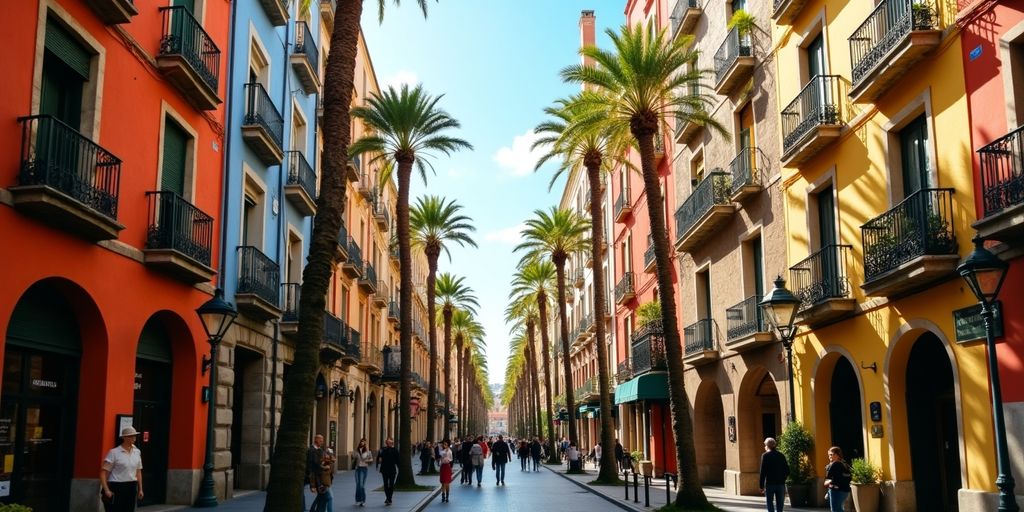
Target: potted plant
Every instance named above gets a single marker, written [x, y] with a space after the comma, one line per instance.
[648, 312]
[744, 23]
[796, 444]
[923, 16]
[864, 479]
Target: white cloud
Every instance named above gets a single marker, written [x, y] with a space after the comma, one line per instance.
[403, 77]
[510, 235]
[520, 159]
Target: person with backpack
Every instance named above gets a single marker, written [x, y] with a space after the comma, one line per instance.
[476, 454]
[774, 471]
[536, 449]
[500, 454]
[837, 479]
[524, 453]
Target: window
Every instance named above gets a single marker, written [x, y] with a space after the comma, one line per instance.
[66, 69]
[697, 169]
[174, 165]
[252, 213]
[738, 5]
[745, 133]
[293, 263]
[914, 156]
[627, 248]
[298, 141]
[824, 206]
[753, 268]
[815, 54]
[703, 282]
[259, 65]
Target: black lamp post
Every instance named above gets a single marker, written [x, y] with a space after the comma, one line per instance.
[984, 273]
[781, 306]
[217, 316]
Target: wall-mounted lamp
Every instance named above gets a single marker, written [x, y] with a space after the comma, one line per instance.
[339, 390]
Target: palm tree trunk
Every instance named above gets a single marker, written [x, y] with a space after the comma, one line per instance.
[531, 347]
[570, 401]
[288, 462]
[609, 468]
[542, 306]
[690, 493]
[432, 336]
[447, 313]
[458, 385]
[405, 474]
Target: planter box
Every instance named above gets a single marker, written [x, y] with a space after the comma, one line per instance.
[866, 497]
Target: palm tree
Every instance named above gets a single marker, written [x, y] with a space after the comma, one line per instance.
[522, 313]
[575, 135]
[533, 280]
[434, 222]
[558, 234]
[288, 462]
[405, 126]
[451, 294]
[473, 346]
[636, 86]
[464, 329]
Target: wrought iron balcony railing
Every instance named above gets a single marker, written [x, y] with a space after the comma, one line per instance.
[343, 239]
[393, 310]
[352, 344]
[734, 47]
[745, 169]
[921, 225]
[744, 318]
[622, 202]
[260, 110]
[714, 190]
[258, 274]
[624, 371]
[624, 287]
[184, 35]
[355, 254]
[369, 274]
[55, 155]
[817, 104]
[176, 224]
[699, 337]
[648, 345]
[888, 24]
[1002, 173]
[306, 45]
[822, 276]
[679, 12]
[301, 173]
[290, 294]
[334, 331]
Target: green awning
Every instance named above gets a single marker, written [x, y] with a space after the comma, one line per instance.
[652, 386]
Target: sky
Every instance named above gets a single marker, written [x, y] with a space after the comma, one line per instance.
[497, 64]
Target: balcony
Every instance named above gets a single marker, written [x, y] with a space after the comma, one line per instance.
[623, 205]
[699, 346]
[813, 120]
[353, 168]
[417, 381]
[277, 11]
[588, 324]
[333, 346]
[258, 284]
[188, 58]
[179, 239]
[685, 15]
[659, 148]
[305, 58]
[392, 370]
[577, 278]
[746, 173]
[687, 128]
[351, 346]
[113, 12]
[393, 253]
[624, 371]
[368, 280]
[707, 209]
[393, 312]
[327, 9]
[894, 37]
[624, 290]
[341, 249]
[353, 266]
[649, 257]
[648, 347]
[589, 391]
[911, 245]
[370, 359]
[366, 188]
[300, 189]
[785, 11]
[262, 127]
[380, 215]
[1002, 189]
[380, 295]
[67, 180]
[290, 295]
[823, 286]
[746, 327]
[734, 62]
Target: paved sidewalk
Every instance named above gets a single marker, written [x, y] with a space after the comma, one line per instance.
[616, 494]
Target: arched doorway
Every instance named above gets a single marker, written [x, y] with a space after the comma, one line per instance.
[151, 411]
[247, 456]
[709, 433]
[373, 430]
[846, 410]
[39, 402]
[932, 422]
[759, 416]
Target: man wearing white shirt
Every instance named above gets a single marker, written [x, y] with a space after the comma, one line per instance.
[121, 474]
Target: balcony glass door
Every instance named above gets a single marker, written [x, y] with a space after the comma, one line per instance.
[914, 156]
[827, 237]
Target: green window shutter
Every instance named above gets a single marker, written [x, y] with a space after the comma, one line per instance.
[188, 4]
[43, 320]
[154, 343]
[63, 45]
[175, 148]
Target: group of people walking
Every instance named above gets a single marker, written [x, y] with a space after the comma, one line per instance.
[320, 467]
[775, 470]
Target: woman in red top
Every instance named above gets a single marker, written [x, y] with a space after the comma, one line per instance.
[446, 470]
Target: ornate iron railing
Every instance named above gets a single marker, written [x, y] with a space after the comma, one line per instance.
[369, 355]
[393, 310]
[699, 336]
[648, 345]
[746, 168]
[822, 275]
[1002, 172]
[290, 293]
[817, 104]
[56, 155]
[687, 108]
[352, 343]
[392, 355]
[334, 330]
[184, 35]
[257, 274]
[744, 318]
[734, 47]
[714, 190]
[301, 173]
[649, 253]
[679, 11]
[369, 274]
[624, 371]
[922, 224]
[624, 286]
[885, 27]
[306, 45]
[355, 254]
[260, 110]
[343, 238]
[176, 224]
[622, 201]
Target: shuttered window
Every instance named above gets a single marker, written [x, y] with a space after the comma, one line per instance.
[175, 152]
[66, 48]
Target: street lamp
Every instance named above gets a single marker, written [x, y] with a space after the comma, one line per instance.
[781, 306]
[217, 316]
[984, 273]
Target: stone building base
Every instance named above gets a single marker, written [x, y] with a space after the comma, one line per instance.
[183, 486]
[740, 483]
[85, 495]
[982, 501]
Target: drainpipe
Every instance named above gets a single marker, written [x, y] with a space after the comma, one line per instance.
[226, 169]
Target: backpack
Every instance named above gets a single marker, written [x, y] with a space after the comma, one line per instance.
[477, 454]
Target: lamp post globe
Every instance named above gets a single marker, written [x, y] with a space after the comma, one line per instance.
[216, 315]
[780, 307]
[984, 273]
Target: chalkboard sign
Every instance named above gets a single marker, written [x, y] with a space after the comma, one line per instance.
[970, 326]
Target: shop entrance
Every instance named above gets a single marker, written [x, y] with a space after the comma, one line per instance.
[845, 411]
[151, 413]
[709, 433]
[247, 451]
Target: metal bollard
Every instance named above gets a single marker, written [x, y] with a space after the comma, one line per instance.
[636, 489]
[668, 496]
[647, 490]
[625, 477]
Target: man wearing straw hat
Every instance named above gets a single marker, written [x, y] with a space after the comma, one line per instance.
[121, 475]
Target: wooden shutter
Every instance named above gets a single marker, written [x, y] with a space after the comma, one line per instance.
[63, 46]
[175, 150]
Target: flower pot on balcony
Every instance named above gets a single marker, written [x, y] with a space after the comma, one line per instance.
[647, 467]
[866, 497]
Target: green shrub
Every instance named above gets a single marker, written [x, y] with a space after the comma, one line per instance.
[14, 507]
[742, 21]
[648, 312]
[637, 456]
[796, 444]
[862, 471]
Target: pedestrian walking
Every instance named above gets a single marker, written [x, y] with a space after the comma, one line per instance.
[324, 477]
[837, 479]
[573, 455]
[387, 461]
[774, 470]
[121, 474]
[524, 453]
[324, 501]
[466, 461]
[620, 453]
[535, 450]
[500, 453]
[426, 454]
[446, 470]
[597, 455]
[476, 454]
[364, 457]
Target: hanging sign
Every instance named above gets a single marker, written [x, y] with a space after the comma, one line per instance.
[970, 326]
